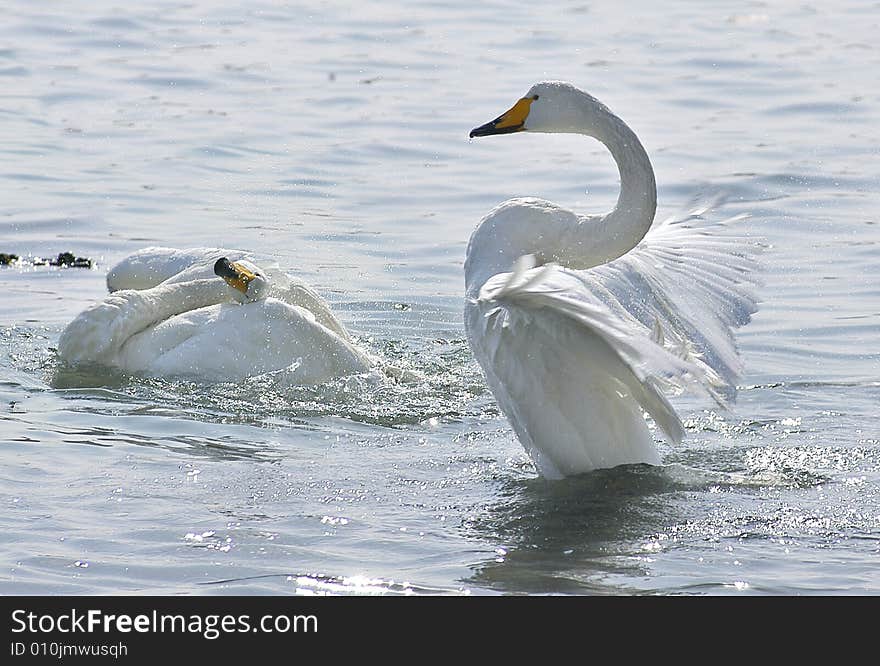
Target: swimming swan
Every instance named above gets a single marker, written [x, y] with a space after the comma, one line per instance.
[580, 322]
[210, 314]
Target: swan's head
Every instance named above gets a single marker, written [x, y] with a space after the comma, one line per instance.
[549, 106]
[248, 283]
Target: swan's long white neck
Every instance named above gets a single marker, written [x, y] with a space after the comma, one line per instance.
[100, 331]
[617, 232]
[151, 306]
[554, 234]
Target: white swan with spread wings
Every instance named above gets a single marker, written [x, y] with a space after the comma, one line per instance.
[583, 323]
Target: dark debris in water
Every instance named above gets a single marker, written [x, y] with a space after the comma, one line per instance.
[64, 259]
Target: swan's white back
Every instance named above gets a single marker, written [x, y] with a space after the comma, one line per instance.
[229, 342]
[151, 266]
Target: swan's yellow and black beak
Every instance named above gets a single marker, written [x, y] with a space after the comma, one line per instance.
[508, 122]
[236, 276]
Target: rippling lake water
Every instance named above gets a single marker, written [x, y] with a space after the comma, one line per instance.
[333, 138]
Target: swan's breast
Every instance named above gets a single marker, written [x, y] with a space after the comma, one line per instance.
[512, 229]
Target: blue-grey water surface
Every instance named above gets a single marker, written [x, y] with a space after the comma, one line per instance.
[333, 137]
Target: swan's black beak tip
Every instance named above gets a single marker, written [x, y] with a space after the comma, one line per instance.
[493, 128]
[224, 268]
[483, 130]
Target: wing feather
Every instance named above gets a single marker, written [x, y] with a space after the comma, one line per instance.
[572, 377]
[694, 279]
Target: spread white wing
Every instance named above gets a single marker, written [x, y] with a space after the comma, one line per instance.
[573, 357]
[690, 284]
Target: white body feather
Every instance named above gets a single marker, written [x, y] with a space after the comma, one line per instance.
[169, 315]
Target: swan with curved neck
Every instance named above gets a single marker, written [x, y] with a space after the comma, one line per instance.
[579, 321]
[195, 313]
[573, 240]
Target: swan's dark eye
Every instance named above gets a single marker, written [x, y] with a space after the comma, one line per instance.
[534, 97]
